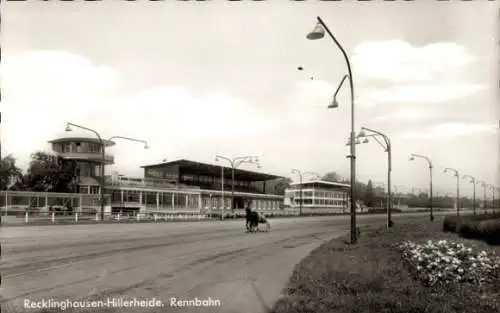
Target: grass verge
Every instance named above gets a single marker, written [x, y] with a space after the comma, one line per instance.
[372, 277]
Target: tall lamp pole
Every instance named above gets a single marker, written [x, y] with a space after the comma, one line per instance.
[387, 146]
[235, 162]
[473, 181]
[412, 158]
[484, 185]
[318, 33]
[301, 175]
[457, 175]
[101, 143]
[492, 188]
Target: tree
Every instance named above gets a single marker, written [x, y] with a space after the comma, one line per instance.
[48, 172]
[10, 174]
[282, 184]
[332, 177]
[368, 200]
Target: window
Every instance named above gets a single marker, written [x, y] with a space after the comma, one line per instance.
[94, 148]
[78, 147]
[66, 147]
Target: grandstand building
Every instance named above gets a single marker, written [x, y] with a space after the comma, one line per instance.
[177, 186]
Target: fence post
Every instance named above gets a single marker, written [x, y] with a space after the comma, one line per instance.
[118, 216]
[53, 217]
[156, 217]
[138, 218]
[76, 217]
[97, 216]
[26, 217]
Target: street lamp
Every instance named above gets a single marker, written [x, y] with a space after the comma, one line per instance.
[318, 33]
[473, 181]
[296, 171]
[484, 185]
[492, 188]
[412, 158]
[457, 175]
[235, 162]
[101, 142]
[388, 149]
[131, 139]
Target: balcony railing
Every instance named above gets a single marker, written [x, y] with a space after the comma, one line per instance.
[87, 156]
[144, 182]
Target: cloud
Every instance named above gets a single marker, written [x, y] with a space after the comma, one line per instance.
[45, 89]
[403, 115]
[449, 130]
[395, 71]
[417, 93]
[48, 79]
[397, 61]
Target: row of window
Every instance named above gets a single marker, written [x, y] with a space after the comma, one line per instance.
[316, 194]
[89, 189]
[80, 147]
[337, 203]
[161, 174]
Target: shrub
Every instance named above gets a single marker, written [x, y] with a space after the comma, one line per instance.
[470, 230]
[490, 231]
[451, 223]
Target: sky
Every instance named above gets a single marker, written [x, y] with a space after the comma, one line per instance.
[196, 79]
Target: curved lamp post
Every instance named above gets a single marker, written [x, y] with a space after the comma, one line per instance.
[473, 181]
[413, 156]
[101, 142]
[484, 185]
[387, 147]
[457, 175]
[235, 162]
[492, 188]
[318, 33]
[301, 175]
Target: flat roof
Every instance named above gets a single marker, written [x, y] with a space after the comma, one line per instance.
[198, 168]
[107, 143]
[322, 182]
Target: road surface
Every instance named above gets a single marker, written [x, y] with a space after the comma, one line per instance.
[204, 260]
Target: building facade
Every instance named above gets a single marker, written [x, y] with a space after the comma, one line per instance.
[87, 154]
[214, 184]
[182, 186]
[318, 196]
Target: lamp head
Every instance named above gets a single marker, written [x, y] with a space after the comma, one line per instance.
[146, 146]
[216, 159]
[366, 140]
[68, 129]
[362, 134]
[317, 33]
[411, 158]
[334, 104]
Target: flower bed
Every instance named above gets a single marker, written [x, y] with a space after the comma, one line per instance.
[445, 262]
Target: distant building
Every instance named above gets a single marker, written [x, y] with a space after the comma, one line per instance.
[318, 196]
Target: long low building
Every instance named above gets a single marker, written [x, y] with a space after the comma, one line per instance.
[185, 185]
[318, 196]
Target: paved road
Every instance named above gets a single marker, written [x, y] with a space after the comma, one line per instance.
[246, 272]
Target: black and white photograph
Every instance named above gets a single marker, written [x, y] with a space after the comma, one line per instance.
[250, 156]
